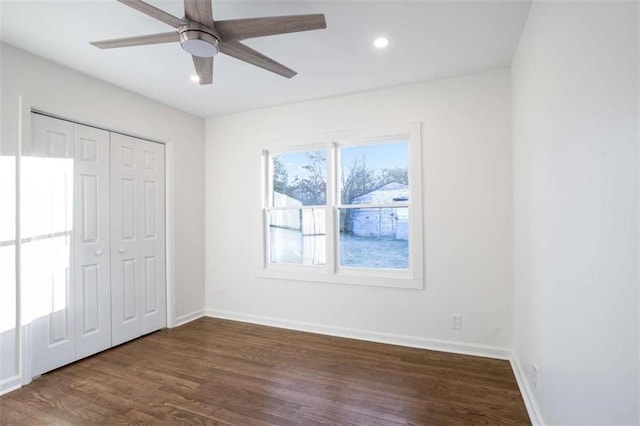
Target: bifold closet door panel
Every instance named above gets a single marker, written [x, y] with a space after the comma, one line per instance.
[152, 239]
[91, 241]
[46, 255]
[137, 238]
[125, 253]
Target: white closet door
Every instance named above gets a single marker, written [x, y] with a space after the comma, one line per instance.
[137, 237]
[152, 240]
[125, 268]
[46, 259]
[91, 241]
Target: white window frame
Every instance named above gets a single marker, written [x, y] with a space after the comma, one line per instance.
[332, 272]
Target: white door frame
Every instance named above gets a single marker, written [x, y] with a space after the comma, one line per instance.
[27, 106]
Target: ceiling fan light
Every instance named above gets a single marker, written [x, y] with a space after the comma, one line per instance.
[199, 43]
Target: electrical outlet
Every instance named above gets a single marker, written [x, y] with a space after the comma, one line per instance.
[221, 296]
[534, 376]
[456, 321]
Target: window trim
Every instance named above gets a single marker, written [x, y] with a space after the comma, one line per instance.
[332, 272]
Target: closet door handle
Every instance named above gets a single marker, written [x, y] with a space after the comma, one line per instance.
[98, 252]
[121, 250]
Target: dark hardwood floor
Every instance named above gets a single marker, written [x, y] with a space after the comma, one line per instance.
[213, 371]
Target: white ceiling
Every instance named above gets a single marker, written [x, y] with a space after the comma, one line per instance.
[428, 40]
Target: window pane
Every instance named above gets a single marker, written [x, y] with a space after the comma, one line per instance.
[300, 179]
[297, 236]
[374, 174]
[374, 238]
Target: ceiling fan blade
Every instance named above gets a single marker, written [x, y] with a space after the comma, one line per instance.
[253, 57]
[154, 12]
[199, 11]
[204, 69]
[137, 41]
[240, 29]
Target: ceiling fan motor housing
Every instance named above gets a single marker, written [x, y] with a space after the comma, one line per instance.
[198, 40]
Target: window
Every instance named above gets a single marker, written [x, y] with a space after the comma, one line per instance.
[374, 202]
[346, 210]
[297, 208]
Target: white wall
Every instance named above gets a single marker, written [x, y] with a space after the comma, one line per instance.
[575, 106]
[467, 219]
[108, 106]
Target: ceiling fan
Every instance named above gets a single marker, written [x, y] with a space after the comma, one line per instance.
[203, 37]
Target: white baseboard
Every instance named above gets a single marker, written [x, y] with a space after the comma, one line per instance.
[371, 336]
[10, 384]
[527, 392]
[183, 319]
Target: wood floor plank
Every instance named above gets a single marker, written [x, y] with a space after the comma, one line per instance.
[218, 372]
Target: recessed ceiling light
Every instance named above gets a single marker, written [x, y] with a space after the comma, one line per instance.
[195, 78]
[381, 42]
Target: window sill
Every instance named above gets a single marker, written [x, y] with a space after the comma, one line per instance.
[388, 279]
